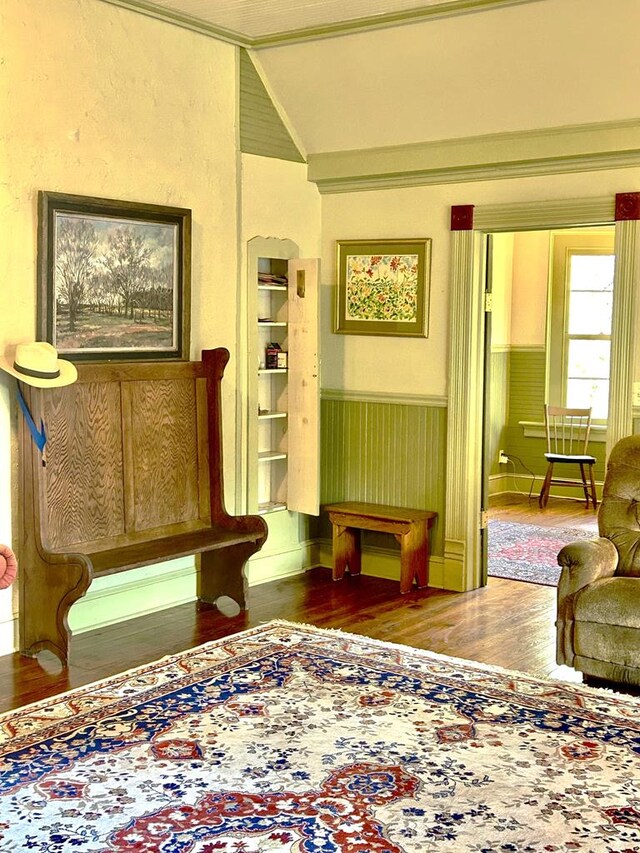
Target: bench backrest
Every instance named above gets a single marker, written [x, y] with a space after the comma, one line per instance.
[128, 453]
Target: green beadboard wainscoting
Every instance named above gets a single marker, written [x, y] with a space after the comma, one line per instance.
[522, 379]
[499, 408]
[387, 453]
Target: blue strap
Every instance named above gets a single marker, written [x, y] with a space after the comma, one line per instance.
[39, 437]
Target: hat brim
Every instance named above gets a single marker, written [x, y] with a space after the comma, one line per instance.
[68, 374]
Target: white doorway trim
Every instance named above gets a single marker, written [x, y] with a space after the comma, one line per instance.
[466, 344]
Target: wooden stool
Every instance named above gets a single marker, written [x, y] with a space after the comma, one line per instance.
[409, 526]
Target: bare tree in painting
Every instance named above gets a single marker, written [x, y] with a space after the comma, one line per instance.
[76, 244]
[127, 262]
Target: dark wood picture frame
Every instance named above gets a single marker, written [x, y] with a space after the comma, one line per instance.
[114, 278]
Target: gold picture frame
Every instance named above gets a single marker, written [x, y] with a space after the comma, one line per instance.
[383, 287]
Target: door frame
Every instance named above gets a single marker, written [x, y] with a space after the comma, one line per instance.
[470, 227]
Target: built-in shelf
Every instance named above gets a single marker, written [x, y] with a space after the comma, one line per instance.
[271, 506]
[271, 455]
[282, 382]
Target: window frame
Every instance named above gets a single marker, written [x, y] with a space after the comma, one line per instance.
[564, 245]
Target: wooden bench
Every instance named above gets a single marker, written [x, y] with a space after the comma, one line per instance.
[131, 475]
[409, 526]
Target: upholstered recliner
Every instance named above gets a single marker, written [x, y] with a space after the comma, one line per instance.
[598, 625]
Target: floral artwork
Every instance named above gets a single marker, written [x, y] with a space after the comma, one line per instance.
[383, 287]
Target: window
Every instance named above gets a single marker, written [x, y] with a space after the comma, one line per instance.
[580, 323]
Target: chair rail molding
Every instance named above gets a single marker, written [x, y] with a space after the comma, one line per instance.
[462, 568]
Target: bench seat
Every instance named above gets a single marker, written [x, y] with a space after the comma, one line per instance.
[131, 476]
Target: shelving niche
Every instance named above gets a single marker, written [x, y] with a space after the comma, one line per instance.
[284, 401]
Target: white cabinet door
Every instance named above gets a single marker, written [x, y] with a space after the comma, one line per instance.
[303, 486]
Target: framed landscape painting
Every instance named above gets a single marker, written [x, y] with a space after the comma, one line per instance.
[383, 287]
[113, 278]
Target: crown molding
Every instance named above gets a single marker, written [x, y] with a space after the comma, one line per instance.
[546, 151]
[446, 9]
[179, 19]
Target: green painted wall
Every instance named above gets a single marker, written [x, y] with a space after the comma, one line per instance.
[384, 453]
[499, 408]
[526, 398]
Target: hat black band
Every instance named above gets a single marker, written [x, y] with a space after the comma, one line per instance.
[37, 374]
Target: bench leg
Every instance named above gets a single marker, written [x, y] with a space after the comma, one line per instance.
[47, 591]
[414, 556]
[222, 573]
[346, 551]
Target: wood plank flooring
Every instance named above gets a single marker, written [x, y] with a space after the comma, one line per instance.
[507, 623]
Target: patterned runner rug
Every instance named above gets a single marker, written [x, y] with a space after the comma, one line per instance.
[291, 738]
[524, 552]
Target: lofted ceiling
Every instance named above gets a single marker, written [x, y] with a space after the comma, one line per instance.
[254, 23]
[350, 75]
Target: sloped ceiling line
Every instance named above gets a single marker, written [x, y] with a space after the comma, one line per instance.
[268, 26]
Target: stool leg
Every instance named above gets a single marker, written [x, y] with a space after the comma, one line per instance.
[414, 556]
[346, 551]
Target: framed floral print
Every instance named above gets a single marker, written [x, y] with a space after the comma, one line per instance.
[383, 287]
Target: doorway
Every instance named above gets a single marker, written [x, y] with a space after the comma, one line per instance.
[463, 523]
[548, 341]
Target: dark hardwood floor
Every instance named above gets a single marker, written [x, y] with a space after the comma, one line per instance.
[507, 623]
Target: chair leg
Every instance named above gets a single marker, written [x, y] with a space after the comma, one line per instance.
[544, 491]
[594, 498]
[584, 484]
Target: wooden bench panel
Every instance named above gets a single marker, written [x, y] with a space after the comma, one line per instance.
[163, 453]
[133, 477]
[82, 482]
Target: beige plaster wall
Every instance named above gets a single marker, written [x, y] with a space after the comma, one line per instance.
[502, 287]
[529, 298]
[420, 366]
[97, 100]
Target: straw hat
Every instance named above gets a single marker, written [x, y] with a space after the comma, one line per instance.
[38, 364]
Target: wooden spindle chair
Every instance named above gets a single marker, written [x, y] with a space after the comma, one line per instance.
[567, 444]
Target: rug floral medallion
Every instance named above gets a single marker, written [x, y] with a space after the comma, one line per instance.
[291, 738]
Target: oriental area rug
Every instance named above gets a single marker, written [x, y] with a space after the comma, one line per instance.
[292, 738]
[524, 552]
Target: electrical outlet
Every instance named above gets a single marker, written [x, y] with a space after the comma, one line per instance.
[502, 458]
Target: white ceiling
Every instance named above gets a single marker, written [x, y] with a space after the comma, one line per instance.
[413, 71]
[256, 21]
[513, 68]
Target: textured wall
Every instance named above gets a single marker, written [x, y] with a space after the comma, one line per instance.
[100, 101]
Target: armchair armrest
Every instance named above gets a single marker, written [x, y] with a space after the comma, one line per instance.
[582, 563]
